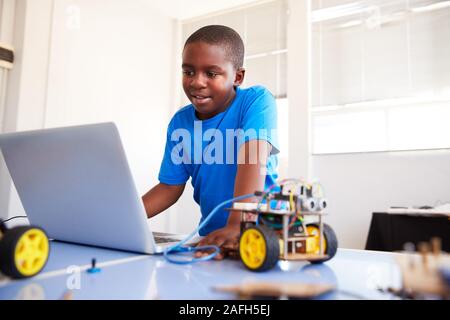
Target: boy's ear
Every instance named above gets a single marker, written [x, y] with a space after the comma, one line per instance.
[240, 75]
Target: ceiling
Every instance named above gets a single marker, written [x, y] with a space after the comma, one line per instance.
[187, 9]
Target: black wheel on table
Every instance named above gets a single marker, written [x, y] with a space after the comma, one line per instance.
[329, 241]
[259, 248]
[24, 251]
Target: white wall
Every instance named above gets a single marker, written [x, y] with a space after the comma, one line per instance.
[7, 8]
[7, 14]
[359, 184]
[102, 60]
[25, 91]
[113, 61]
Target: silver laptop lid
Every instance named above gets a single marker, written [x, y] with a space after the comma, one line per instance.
[75, 183]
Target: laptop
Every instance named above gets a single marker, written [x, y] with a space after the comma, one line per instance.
[75, 183]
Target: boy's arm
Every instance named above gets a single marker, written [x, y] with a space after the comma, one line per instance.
[161, 197]
[250, 177]
[251, 173]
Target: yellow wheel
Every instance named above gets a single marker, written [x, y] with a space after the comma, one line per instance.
[259, 248]
[329, 241]
[24, 252]
[314, 247]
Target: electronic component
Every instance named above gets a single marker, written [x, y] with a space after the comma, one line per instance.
[280, 227]
[93, 268]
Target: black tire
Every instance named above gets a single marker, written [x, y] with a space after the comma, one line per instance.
[7, 252]
[330, 240]
[272, 248]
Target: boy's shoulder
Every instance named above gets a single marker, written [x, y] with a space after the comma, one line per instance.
[256, 91]
[254, 94]
[186, 113]
[256, 97]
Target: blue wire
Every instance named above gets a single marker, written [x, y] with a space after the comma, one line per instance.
[179, 248]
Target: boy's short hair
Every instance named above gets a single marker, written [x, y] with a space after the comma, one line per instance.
[222, 36]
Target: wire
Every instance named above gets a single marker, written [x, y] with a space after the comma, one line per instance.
[292, 222]
[264, 197]
[179, 248]
[291, 201]
[317, 187]
[16, 217]
[269, 189]
[278, 207]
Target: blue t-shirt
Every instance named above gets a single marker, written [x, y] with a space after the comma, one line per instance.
[207, 150]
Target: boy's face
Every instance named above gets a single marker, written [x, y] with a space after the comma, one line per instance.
[209, 78]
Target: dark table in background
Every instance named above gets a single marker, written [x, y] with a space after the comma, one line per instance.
[389, 232]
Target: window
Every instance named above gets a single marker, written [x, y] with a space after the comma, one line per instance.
[381, 75]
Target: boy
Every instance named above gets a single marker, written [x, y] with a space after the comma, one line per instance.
[196, 147]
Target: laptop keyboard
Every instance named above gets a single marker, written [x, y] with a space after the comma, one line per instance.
[165, 240]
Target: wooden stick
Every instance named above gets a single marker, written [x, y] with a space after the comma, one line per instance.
[436, 245]
[424, 249]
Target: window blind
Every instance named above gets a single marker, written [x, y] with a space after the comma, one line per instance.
[381, 75]
[380, 50]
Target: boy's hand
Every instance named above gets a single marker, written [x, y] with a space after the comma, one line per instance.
[250, 177]
[225, 238]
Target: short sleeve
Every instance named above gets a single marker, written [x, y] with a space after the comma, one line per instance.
[259, 120]
[172, 172]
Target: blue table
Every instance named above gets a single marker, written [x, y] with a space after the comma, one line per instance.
[357, 274]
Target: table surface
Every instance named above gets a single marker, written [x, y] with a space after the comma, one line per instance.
[356, 274]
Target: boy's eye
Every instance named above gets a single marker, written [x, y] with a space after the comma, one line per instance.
[211, 74]
[188, 73]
